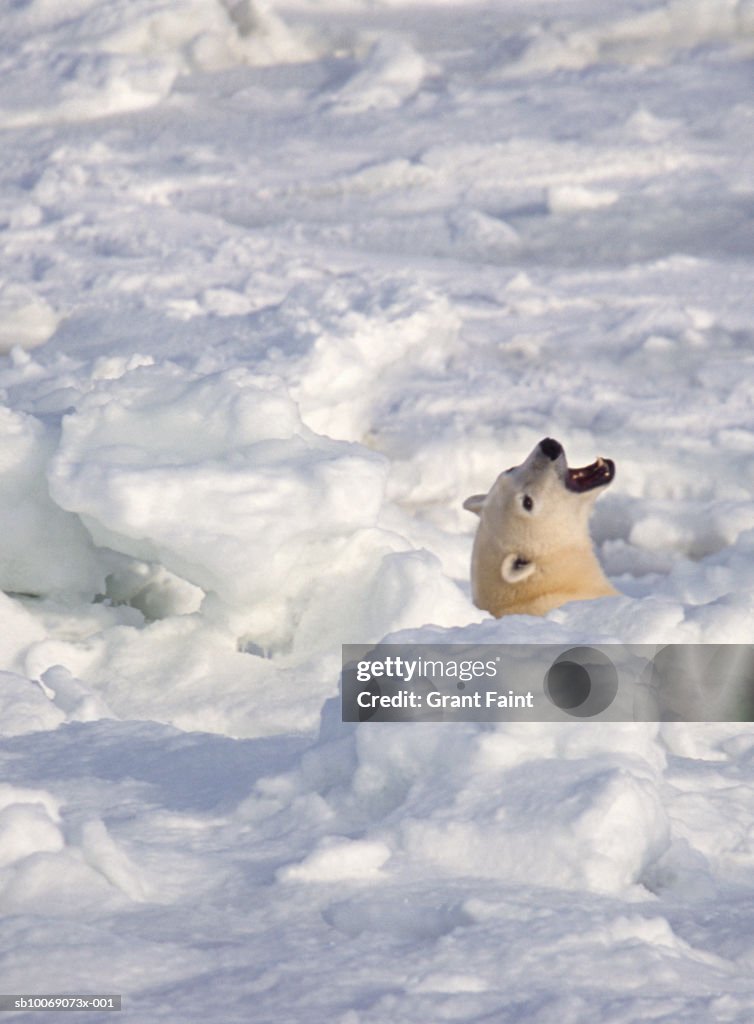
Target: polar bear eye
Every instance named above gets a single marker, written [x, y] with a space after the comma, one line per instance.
[528, 503]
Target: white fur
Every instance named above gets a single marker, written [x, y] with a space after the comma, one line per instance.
[532, 551]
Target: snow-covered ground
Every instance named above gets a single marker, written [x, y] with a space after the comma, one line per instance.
[280, 286]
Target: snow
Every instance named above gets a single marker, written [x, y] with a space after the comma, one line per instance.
[281, 285]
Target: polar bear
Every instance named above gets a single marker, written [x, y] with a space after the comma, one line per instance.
[532, 551]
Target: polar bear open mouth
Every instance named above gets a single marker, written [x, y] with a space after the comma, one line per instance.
[587, 478]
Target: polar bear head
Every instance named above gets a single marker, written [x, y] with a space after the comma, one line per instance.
[532, 550]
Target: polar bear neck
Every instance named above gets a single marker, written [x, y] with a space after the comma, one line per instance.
[562, 574]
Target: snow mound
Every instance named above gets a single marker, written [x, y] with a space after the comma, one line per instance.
[126, 55]
[216, 478]
[24, 707]
[209, 35]
[647, 38]
[26, 319]
[43, 549]
[38, 849]
[589, 828]
[80, 86]
[355, 364]
[534, 805]
[29, 823]
[391, 73]
[339, 860]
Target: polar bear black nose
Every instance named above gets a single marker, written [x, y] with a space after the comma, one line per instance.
[551, 448]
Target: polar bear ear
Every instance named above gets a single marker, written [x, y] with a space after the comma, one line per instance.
[474, 503]
[514, 568]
